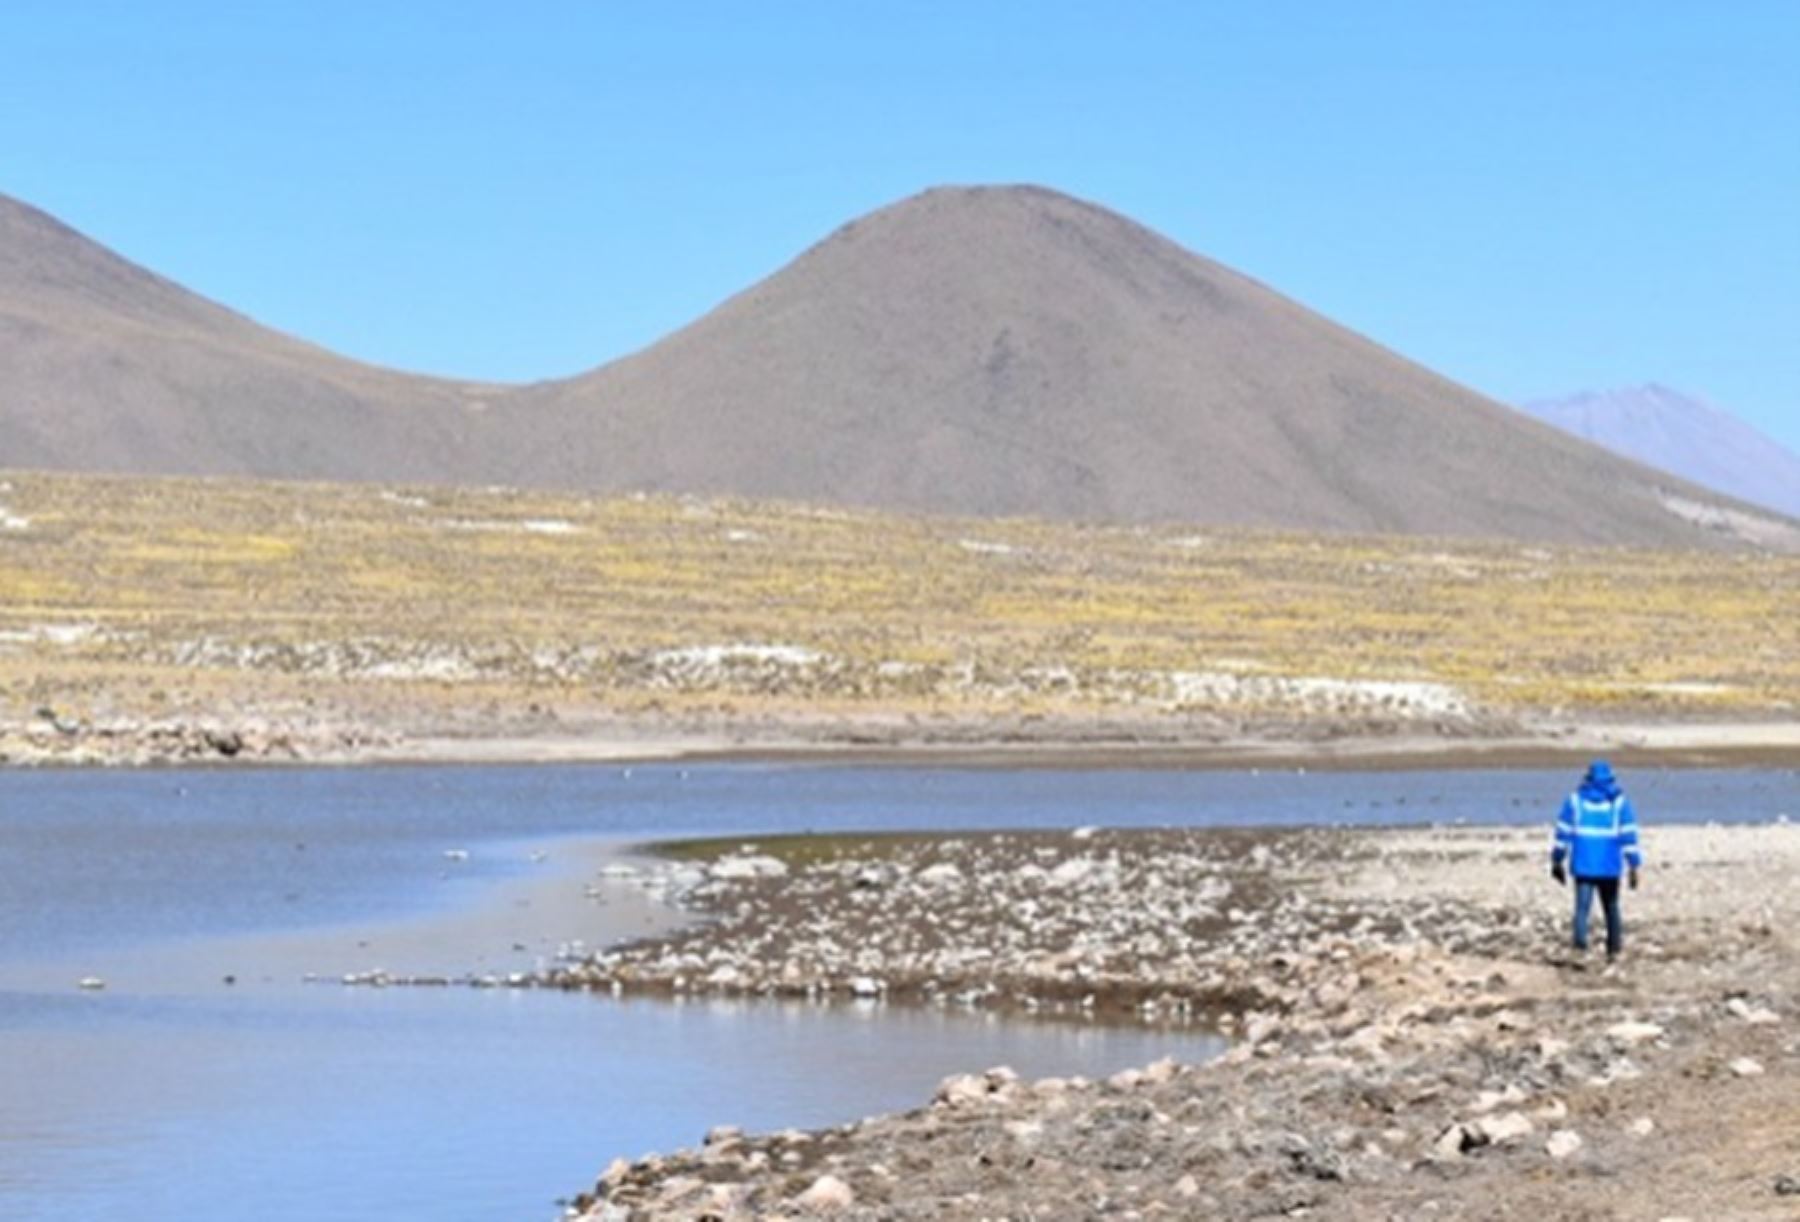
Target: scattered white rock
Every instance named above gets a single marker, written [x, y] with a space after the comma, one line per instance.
[1488, 1100]
[1631, 1032]
[1643, 1126]
[1074, 870]
[1451, 1143]
[1025, 1132]
[748, 865]
[1162, 1071]
[961, 1090]
[1505, 1128]
[943, 874]
[1563, 1143]
[1746, 1067]
[828, 1194]
[1756, 1016]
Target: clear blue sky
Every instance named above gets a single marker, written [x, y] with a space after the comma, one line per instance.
[1529, 197]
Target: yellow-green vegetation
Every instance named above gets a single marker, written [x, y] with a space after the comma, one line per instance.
[124, 595]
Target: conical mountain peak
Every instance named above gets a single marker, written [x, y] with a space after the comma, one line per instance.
[969, 350]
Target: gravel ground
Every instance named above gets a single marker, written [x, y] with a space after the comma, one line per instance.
[1411, 1037]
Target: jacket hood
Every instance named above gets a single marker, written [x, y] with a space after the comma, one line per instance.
[1599, 784]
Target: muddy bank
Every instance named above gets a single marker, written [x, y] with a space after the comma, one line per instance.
[229, 733]
[1412, 1038]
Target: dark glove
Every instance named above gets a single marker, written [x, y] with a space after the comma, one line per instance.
[1560, 875]
[1634, 878]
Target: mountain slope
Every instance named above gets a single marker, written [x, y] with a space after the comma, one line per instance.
[107, 367]
[1671, 431]
[969, 350]
[1015, 351]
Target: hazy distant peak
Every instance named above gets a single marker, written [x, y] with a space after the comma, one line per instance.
[1684, 434]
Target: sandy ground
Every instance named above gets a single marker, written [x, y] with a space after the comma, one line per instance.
[1413, 1038]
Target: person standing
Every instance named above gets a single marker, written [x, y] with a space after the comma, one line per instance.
[1597, 841]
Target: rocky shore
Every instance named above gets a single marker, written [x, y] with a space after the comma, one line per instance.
[1410, 1038]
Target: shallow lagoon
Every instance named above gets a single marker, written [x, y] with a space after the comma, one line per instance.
[174, 1094]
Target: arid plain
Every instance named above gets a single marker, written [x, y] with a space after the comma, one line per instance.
[146, 620]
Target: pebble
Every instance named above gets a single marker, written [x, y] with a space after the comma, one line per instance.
[1756, 1016]
[1451, 1143]
[1504, 1129]
[1634, 1032]
[828, 1194]
[747, 866]
[961, 1090]
[1393, 1025]
[1563, 1143]
[1488, 1100]
[943, 874]
[1746, 1067]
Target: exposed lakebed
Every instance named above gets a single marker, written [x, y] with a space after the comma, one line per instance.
[173, 1093]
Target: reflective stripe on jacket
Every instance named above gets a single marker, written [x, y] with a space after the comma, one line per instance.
[1599, 836]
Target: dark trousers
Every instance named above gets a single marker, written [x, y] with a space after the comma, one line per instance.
[1609, 900]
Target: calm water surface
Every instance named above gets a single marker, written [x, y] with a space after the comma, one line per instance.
[174, 1094]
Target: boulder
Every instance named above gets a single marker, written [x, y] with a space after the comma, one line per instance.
[960, 1090]
[828, 1194]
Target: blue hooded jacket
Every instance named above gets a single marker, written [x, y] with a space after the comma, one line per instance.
[1597, 828]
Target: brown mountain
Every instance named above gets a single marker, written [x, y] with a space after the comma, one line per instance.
[107, 367]
[981, 350]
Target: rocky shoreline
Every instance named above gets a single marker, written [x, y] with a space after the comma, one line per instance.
[1410, 1038]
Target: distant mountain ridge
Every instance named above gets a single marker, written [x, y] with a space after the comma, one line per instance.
[984, 350]
[1683, 434]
